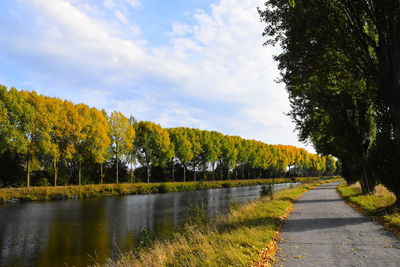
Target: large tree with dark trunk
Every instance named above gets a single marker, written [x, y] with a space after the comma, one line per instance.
[331, 43]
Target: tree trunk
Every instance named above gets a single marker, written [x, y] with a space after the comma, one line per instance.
[132, 172]
[173, 172]
[367, 186]
[194, 174]
[116, 170]
[101, 173]
[397, 202]
[184, 173]
[80, 173]
[55, 171]
[148, 173]
[242, 172]
[213, 171]
[28, 171]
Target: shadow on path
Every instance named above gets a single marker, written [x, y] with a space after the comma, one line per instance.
[301, 225]
[317, 200]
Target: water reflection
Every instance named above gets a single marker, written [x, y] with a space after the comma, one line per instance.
[66, 232]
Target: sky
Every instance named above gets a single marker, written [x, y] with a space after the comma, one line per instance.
[192, 63]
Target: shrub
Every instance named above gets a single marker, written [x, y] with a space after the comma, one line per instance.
[44, 182]
[163, 188]
[267, 190]
[226, 185]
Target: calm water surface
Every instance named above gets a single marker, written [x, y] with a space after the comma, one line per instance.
[80, 232]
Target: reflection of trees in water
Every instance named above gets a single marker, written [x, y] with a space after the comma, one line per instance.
[73, 240]
[23, 227]
[49, 234]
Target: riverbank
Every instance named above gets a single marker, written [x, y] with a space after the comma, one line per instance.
[377, 205]
[245, 236]
[106, 190]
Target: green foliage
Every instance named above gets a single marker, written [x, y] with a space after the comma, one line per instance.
[145, 238]
[44, 182]
[341, 78]
[267, 190]
[226, 185]
[70, 143]
[122, 134]
[163, 188]
[153, 146]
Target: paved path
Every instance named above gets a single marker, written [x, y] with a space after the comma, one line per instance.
[324, 231]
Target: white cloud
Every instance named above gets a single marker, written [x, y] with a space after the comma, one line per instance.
[109, 4]
[133, 3]
[218, 60]
[180, 29]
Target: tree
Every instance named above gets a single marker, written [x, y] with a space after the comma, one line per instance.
[243, 154]
[31, 136]
[195, 137]
[229, 153]
[100, 138]
[213, 149]
[58, 137]
[153, 146]
[329, 70]
[330, 165]
[122, 135]
[131, 158]
[54, 137]
[4, 121]
[182, 147]
[16, 121]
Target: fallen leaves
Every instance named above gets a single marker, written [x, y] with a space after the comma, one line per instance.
[268, 255]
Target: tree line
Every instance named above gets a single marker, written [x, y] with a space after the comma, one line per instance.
[340, 62]
[47, 140]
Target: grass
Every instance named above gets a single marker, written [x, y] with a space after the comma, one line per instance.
[92, 191]
[377, 205]
[245, 236]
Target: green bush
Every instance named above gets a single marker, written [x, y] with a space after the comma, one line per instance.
[163, 188]
[267, 190]
[226, 185]
[44, 182]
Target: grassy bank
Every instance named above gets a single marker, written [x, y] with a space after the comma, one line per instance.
[243, 237]
[92, 191]
[377, 205]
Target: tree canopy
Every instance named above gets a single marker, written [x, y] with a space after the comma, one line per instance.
[50, 139]
[340, 62]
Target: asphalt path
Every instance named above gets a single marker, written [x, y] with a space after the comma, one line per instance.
[323, 230]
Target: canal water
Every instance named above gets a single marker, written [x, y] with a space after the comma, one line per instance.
[82, 232]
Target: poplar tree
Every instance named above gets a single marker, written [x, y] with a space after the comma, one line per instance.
[152, 145]
[182, 147]
[122, 134]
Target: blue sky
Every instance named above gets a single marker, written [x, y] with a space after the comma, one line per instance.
[194, 63]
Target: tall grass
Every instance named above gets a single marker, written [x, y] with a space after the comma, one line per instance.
[243, 237]
[377, 205]
[92, 191]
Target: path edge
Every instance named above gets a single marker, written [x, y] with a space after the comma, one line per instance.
[267, 256]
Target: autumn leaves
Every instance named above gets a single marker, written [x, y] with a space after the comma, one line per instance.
[50, 136]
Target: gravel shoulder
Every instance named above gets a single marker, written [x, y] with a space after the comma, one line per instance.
[324, 231]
